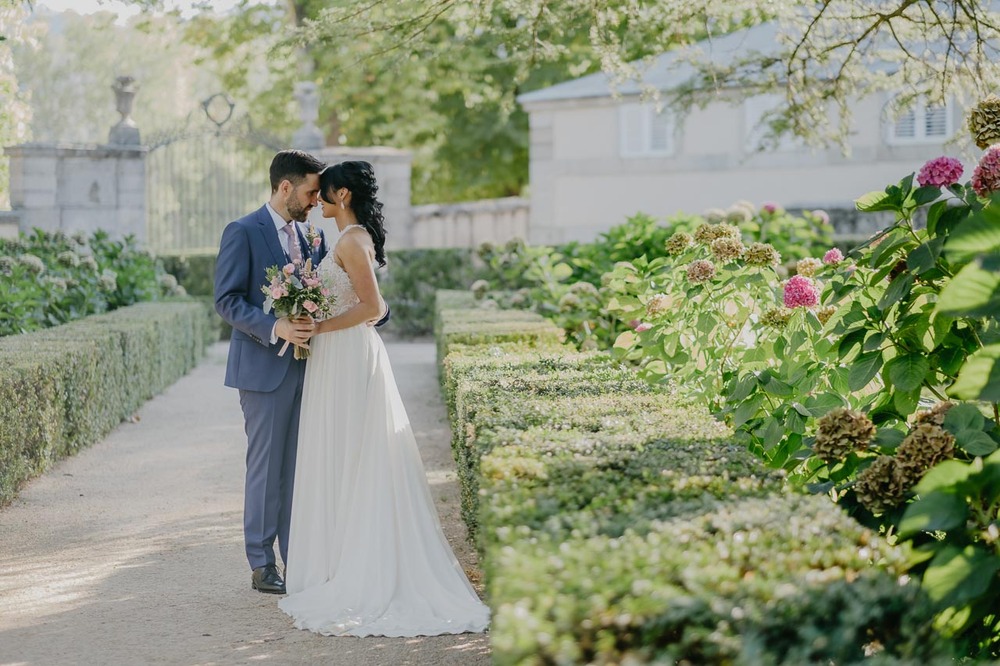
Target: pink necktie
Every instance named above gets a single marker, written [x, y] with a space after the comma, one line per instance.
[294, 251]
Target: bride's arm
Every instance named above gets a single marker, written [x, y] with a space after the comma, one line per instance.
[356, 256]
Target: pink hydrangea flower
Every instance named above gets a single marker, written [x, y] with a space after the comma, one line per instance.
[644, 326]
[940, 172]
[801, 292]
[633, 323]
[770, 207]
[310, 306]
[822, 216]
[986, 176]
[833, 256]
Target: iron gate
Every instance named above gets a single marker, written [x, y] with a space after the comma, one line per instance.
[203, 175]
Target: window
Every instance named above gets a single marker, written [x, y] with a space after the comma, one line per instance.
[757, 112]
[922, 123]
[644, 131]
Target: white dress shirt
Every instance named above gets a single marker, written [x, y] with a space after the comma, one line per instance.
[279, 223]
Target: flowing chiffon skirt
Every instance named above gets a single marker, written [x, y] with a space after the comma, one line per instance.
[366, 553]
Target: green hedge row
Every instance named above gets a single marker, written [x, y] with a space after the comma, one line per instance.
[64, 388]
[618, 524]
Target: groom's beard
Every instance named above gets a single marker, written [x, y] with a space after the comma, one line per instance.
[297, 211]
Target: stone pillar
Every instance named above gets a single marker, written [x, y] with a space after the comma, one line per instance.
[308, 136]
[57, 187]
[392, 170]
[70, 188]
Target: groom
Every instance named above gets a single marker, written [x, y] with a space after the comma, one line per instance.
[270, 386]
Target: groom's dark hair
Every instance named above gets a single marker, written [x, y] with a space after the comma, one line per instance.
[293, 166]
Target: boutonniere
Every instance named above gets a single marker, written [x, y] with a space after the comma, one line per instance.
[313, 237]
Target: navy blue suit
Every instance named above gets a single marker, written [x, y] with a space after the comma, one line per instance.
[270, 386]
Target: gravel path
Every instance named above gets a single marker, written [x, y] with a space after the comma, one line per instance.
[131, 552]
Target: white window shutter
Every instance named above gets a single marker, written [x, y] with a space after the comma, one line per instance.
[661, 131]
[936, 122]
[906, 125]
[631, 129]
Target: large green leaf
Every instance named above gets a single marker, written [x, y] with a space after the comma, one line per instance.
[907, 372]
[979, 233]
[976, 442]
[876, 201]
[979, 378]
[956, 576]
[943, 475]
[898, 289]
[939, 510]
[864, 369]
[973, 291]
[963, 417]
[924, 257]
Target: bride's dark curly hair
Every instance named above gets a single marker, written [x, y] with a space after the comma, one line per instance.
[359, 178]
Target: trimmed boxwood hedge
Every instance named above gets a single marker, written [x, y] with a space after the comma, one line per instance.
[619, 524]
[63, 388]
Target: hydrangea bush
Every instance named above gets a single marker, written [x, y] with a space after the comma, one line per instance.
[51, 278]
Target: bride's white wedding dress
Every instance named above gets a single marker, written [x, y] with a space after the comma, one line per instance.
[366, 554]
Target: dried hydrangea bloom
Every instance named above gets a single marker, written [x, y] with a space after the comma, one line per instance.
[479, 288]
[984, 122]
[776, 318]
[700, 271]
[762, 254]
[658, 304]
[824, 313]
[935, 414]
[706, 233]
[840, 432]
[808, 266]
[583, 288]
[926, 445]
[678, 243]
[727, 249]
[569, 301]
[881, 486]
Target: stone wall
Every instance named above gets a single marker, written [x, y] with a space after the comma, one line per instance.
[67, 188]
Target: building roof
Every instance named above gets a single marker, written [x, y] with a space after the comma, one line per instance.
[666, 71]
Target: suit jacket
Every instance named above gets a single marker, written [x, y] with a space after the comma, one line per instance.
[249, 247]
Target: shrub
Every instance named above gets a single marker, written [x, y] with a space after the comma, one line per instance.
[66, 387]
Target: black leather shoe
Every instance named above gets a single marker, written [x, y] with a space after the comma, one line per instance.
[267, 579]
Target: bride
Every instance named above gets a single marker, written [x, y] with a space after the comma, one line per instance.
[366, 553]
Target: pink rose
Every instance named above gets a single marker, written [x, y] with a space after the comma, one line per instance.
[324, 291]
[288, 269]
[278, 292]
[644, 326]
[317, 241]
[310, 306]
[833, 256]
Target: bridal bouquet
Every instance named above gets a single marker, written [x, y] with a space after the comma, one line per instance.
[291, 295]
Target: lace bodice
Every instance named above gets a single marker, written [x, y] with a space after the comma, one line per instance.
[338, 281]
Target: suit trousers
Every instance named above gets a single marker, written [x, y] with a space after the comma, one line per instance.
[272, 428]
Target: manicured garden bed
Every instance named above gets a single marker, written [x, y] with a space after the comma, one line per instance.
[63, 388]
[618, 523]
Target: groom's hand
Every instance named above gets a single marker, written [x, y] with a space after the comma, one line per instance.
[296, 331]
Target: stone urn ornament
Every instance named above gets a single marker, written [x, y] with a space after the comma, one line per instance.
[125, 132]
